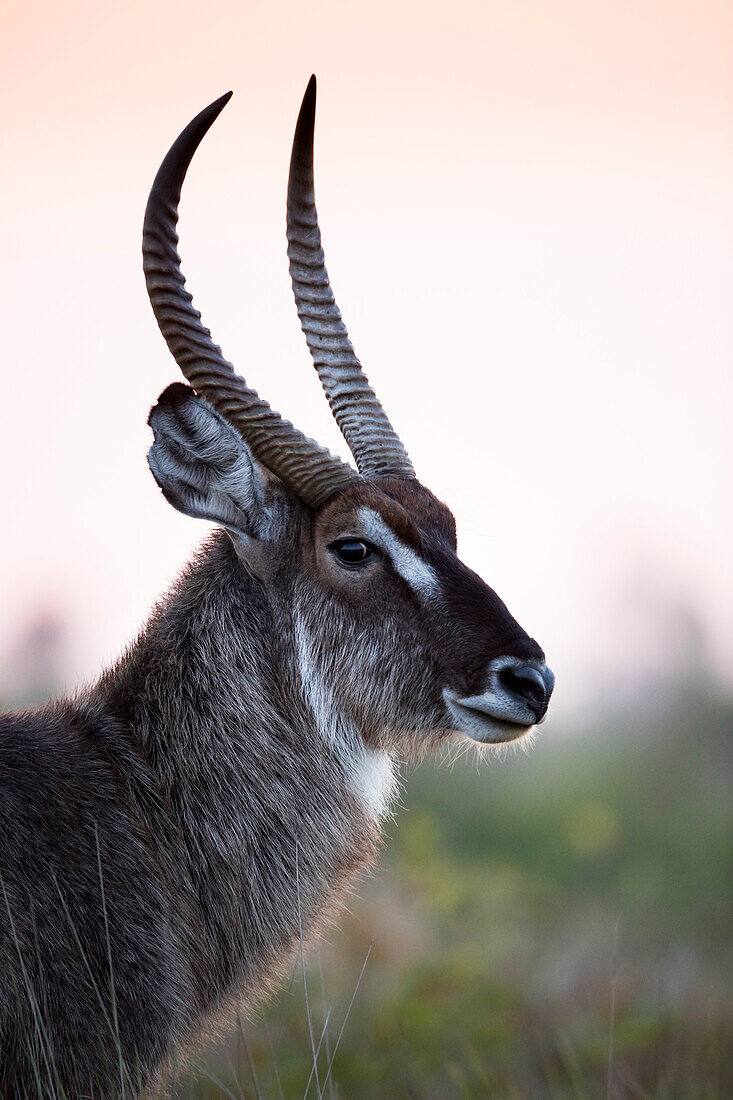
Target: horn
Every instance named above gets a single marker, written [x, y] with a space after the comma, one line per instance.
[306, 467]
[373, 442]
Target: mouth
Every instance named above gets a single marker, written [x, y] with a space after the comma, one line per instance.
[471, 718]
[514, 701]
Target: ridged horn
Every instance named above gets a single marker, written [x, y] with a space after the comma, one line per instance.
[306, 467]
[374, 444]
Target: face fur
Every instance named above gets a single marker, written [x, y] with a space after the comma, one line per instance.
[414, 645]
[393, 634]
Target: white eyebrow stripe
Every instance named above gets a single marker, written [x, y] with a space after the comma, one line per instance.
[420, 576]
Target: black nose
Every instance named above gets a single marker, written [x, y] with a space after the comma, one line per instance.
[529, 684]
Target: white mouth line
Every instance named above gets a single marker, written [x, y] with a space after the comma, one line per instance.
[480, 725]
[496, 704]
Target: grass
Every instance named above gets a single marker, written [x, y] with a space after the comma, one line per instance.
[550, 926]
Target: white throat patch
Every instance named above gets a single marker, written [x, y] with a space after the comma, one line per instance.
[420, 576]
[374, 780]
[371, 772]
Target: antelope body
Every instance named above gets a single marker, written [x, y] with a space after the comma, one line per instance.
[170, 835]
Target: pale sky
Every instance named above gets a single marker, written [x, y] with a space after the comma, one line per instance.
[528, 222]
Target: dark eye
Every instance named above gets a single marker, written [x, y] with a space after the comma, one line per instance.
[351, 551]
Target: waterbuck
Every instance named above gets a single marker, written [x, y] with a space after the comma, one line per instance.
[170, 834]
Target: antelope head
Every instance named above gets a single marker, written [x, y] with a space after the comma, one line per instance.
[384, 623]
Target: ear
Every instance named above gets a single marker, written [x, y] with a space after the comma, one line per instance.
[204, 467]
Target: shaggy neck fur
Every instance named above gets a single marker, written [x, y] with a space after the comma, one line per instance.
[269, 801]
[191, 812]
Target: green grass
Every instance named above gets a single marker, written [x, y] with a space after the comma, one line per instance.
[492, 921]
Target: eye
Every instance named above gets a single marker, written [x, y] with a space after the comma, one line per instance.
[351, 551]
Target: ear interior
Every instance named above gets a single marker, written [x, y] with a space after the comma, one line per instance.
[203, 466]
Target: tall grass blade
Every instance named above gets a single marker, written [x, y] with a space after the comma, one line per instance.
[348, 1012]
[37, 1017]
[112, 995]
[318, 1051]
[114, 1032]
[326, 1015]
[305, 981]
[243, 1042]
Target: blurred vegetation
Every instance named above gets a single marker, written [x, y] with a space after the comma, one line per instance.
[516, 903]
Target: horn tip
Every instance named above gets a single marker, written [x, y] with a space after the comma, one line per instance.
[305, 125]
[309, 99]
[220, 103]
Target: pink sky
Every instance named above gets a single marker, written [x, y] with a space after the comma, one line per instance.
[528, 221]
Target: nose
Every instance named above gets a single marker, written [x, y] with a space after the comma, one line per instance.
[516, 698]
[531, 685]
